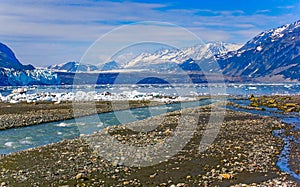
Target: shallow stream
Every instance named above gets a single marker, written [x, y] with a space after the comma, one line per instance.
[291, 119]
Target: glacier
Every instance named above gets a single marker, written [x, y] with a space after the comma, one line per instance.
[11, 77]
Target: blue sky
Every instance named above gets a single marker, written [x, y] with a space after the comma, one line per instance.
[44, 32]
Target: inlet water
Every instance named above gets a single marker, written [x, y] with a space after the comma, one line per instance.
[17, 139]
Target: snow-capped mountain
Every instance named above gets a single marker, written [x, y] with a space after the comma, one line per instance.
[171, 59]
[110, 66]
[273, 55]
[13, 73]
[73, 67]
[165, 59]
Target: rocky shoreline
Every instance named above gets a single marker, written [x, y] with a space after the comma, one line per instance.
[244, 153]
[27, 114]
[285, 104]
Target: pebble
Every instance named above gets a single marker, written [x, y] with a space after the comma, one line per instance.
[225, 176]
[244, 144]
[152, 176]
[79, 176]
[3, 184]
[126, 182]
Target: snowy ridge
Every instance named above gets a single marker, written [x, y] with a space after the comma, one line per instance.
[271, 55]
[73, 67]
[178, 56]
[164, 59]
[272, 35]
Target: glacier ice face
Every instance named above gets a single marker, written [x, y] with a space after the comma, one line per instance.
[9, 77]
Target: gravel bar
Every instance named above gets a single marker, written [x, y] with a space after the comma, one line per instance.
[244, 153]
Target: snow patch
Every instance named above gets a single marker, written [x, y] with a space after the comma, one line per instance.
[259, 48]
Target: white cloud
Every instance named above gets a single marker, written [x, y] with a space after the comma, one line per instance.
[144, 32]
[263, 11]
[286, 7]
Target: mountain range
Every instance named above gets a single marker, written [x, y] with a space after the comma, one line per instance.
[162, 60]
[271, 56]
[73, 67]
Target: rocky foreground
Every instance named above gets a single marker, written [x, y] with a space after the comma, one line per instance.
[244, 153]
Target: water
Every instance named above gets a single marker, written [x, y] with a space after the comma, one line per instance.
[17, 139]
[200, 89]
[283, 160]
[291, 119]
[13, 140]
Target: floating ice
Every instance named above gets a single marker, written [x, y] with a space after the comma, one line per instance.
[62, 124]
[8, 144]
[25, 142]
[57, 98]
[252, 88]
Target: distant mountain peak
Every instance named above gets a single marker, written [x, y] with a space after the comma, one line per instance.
[171, 57]
[161, 60]
[73, 66]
